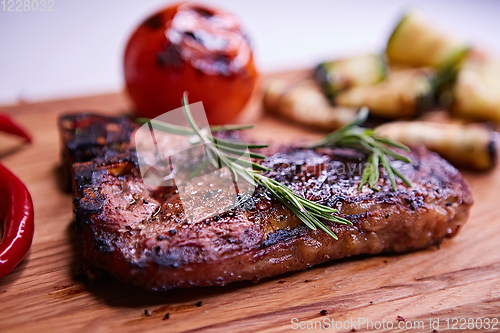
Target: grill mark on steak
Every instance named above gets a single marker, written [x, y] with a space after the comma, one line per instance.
[87, 135]
[122, 219]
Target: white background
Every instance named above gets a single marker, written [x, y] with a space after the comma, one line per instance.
[77, 49]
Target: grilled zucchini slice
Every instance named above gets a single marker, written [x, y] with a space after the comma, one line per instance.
[416, 42]
[404, 93]
[476, 93]
[472, 146]
[359, 71]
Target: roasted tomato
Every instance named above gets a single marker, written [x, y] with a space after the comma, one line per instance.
[191, 48]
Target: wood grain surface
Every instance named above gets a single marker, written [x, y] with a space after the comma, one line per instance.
[461, 279]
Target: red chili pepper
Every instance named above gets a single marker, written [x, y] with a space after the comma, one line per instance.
[8, 125]
[16, 213]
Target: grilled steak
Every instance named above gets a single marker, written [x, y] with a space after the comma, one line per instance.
[140, 234]
[88, 135]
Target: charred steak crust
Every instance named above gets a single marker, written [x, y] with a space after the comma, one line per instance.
[87, 135]
[142, 236]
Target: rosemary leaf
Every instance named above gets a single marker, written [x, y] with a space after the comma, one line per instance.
[202, 166]
[353, 136]
[216, 129]
[239, 152]
[374, 175]
[388, 168]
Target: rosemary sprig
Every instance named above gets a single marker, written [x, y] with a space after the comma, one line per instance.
[224, 153]
[181, 130]
[354, 136]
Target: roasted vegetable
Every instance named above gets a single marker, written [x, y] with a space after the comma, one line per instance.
[476, 93]
[8, 125]
[16, 214]
[471, 146]
[359, 71]
[416, 42]
[305, 104]
[194, 48]
[404, 93]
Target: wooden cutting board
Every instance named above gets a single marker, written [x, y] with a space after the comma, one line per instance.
[459, 280]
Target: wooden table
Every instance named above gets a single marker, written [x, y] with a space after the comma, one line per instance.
[459, 280]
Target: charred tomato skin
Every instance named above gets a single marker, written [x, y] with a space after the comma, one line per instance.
[192, 48]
